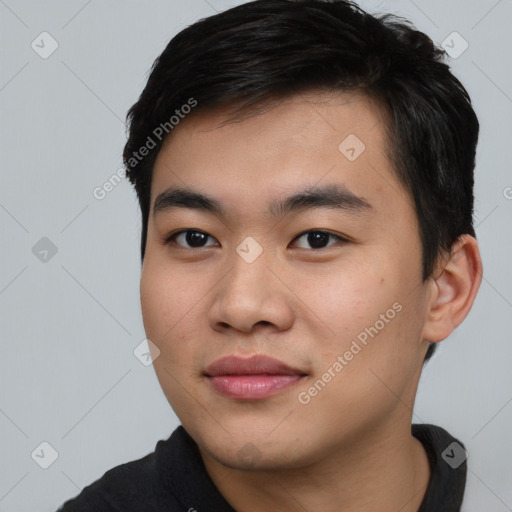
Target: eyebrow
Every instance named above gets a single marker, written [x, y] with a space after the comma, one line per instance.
[329, 197]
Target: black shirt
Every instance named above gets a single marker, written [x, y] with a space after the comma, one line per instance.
[173, 478]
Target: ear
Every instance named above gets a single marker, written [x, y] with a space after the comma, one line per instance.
[453, 285]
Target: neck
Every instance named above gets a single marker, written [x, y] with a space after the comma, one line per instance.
[383, 469]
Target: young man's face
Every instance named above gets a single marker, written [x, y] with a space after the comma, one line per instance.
[345, 314]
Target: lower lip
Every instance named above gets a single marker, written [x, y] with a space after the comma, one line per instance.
[252, 387]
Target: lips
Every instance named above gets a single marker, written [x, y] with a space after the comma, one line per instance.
[255, 365]
[253, 378]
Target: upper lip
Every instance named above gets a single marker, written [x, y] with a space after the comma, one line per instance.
[255, 365]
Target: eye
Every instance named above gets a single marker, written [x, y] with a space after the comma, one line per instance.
[317, 239]
[193, 237]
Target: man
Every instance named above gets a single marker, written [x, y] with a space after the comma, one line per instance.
[305, 176]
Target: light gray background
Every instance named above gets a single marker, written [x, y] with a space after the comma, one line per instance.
[68, 375]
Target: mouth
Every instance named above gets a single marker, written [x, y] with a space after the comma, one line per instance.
[253, 378]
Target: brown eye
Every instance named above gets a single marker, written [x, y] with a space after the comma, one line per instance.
[191, 239]
[317, 239]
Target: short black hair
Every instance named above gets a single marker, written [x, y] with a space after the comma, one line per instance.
[266, 49]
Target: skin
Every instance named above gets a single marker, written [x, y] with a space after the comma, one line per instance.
[350, 448]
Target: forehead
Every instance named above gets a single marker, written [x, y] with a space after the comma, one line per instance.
[300, 141]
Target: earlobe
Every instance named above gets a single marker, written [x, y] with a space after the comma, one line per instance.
[453, 288]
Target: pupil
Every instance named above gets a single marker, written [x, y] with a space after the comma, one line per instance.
[194, 238]
[318, 239]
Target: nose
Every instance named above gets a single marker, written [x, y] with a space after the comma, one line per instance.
[252, 295]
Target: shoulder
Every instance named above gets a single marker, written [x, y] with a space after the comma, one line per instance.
[447, 458]
[141, 484]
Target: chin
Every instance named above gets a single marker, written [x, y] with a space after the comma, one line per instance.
[252, 457]
[253, 450]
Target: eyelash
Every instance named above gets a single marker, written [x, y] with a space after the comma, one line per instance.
[171, 239]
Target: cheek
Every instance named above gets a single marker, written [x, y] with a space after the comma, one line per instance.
[346, 297]
[155, 296]
[170, 310]
[167, 302]
[368, 302]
